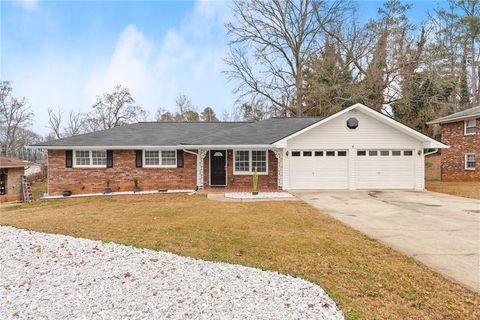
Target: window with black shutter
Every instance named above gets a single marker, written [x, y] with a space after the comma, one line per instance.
[138, 158]
[109, 158]
[179, 158]
[68, 158]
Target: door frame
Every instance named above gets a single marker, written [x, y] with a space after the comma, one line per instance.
[210, 168]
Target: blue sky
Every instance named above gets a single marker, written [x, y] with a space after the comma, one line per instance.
[62, 54]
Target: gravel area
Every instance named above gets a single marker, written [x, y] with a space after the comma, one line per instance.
[260, 195]
[59, 277]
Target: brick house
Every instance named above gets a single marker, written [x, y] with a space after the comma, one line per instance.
[461, 131]
[11, 172]
[356, 148]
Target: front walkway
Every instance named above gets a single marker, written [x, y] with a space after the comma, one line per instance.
[439, 230]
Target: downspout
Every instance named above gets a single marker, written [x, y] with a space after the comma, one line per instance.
[431, 152]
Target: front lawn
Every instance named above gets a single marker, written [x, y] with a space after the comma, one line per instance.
[468, 189]
[366, 278]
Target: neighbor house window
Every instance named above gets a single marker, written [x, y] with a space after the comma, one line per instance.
[470, 161]
[471, 126]
[245, 161]
[88, 158]
[160, 158]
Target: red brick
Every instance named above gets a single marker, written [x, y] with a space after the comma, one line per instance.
[453, 159]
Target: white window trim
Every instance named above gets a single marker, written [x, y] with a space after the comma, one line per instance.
[250, 170]
[465, 127]
[470, 154]
[74, 156]
[144, 165]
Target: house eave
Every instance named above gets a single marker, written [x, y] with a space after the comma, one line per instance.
[138, 147]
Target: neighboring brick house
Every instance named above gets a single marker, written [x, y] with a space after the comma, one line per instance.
[356, 148]
[461, 131]
[11, 172]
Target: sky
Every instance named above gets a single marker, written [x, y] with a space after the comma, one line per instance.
[62, 54]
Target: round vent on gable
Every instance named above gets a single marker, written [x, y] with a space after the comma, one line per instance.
[352, 123]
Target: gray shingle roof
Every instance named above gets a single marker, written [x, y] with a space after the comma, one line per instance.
[188, 133]
[465, 114]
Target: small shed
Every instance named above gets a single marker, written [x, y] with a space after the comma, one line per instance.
[11, 172]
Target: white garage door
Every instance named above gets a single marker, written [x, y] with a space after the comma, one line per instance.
[384, 169]
[319, 169]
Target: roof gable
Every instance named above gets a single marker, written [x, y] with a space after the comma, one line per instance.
[428, 142]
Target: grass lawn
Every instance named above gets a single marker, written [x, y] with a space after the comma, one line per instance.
[468, 189]
[38, 189]
[367, 279]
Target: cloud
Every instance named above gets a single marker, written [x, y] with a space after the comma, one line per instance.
[29, 5]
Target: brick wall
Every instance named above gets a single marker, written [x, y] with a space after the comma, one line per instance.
[245, 181]
[13, 185]
[92, 180]
[453, 159]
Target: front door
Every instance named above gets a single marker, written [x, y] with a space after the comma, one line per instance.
[218, 168]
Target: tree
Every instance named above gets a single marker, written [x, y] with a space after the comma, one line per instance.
[270, 44]
[55, 122]
[114, 109]
[208, 115]
[329, 85]
[254, 111]
[74, 125]
[15, 116]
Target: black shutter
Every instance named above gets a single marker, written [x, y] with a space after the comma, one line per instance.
[138, 158]
[68, 158]
[179, 158]
[109, 158]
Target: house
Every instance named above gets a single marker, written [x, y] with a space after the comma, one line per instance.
[461, 131]
[11, 172]
[356, 148]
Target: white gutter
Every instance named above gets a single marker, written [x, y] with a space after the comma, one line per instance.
[178, 146]
[432, 152]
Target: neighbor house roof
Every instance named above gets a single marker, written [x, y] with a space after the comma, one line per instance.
[457, 116]
[145, 134]
[6, 162]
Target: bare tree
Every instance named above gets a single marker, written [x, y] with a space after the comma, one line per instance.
[15, 116]
[270, 44]
[114, 109]
[55, 122]
[74, 124]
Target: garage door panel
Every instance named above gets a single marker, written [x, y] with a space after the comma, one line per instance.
[384, 172]
[319, 172]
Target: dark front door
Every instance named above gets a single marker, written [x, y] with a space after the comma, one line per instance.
[218, 170]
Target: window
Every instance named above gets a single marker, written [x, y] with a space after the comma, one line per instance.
[152, 158]
[373, 153]
[330, 153]
[295, 153]
[160, 158]
[361, 153]
[82, 158]
[396, 153]
[470, 126]
[242, 161]
[307, 153]
[384, 152]
[259, 160]
[318, 153]
[470, 161]
[99, 158]
[169, 158]
[90, 158]
[342, 153]
[247, 160]
[408, 153]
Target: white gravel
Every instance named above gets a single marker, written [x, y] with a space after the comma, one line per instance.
[44, 276]
[260, 195]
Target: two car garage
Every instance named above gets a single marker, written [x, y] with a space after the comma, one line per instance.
[370, 169]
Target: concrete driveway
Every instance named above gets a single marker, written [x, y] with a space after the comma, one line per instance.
[439, 230]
